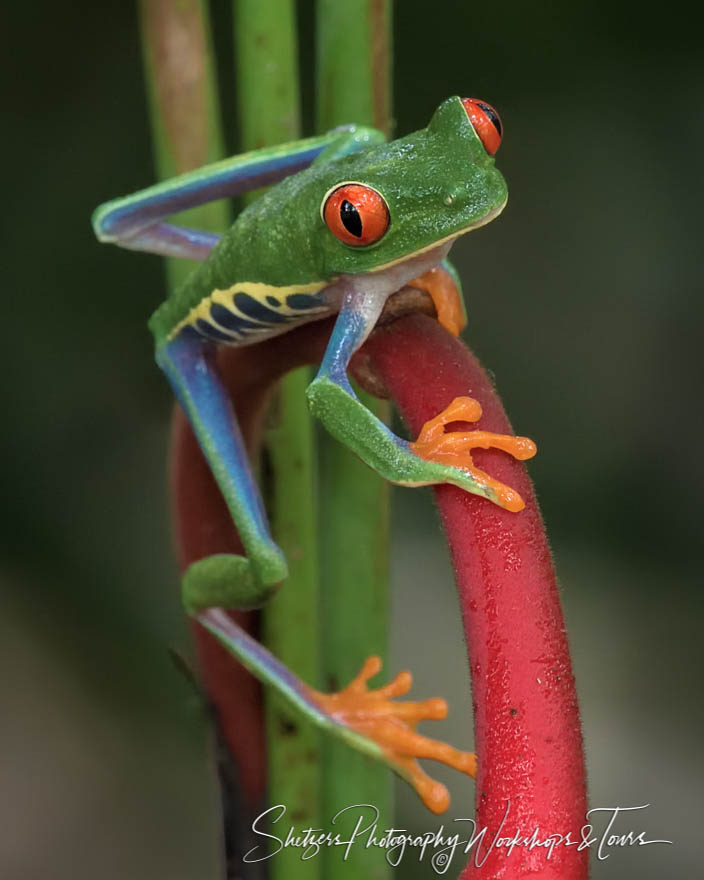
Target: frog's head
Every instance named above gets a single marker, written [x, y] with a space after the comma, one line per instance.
[395, 201]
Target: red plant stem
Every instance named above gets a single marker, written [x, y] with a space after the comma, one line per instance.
[528, 737]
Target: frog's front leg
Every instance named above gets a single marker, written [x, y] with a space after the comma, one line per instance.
[222, 580]
[437, 456]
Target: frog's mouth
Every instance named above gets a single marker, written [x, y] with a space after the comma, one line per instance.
[448, 239]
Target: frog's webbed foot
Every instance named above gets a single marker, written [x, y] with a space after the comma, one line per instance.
[453, 448]
[392, 727]
[366, 720]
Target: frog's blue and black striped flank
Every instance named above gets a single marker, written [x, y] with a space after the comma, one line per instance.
[250, 311]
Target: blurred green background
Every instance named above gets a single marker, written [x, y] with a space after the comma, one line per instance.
[584, 300]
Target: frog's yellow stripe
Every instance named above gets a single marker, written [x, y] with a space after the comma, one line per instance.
[257, 290]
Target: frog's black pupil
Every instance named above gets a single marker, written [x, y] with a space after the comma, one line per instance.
[493, 115]
[351, 219]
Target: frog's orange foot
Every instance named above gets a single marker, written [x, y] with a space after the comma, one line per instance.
[392, 726]
[454, 448]
[441, 287]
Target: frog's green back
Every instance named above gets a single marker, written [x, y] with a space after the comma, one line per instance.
[437, 183]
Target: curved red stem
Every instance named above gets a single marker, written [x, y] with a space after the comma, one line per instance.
[528, 737]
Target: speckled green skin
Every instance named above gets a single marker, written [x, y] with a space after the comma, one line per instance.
[437, 182]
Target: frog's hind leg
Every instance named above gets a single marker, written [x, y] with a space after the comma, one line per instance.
[222, 580]
[371, 720]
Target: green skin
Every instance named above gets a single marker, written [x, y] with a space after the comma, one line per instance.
[438, 183]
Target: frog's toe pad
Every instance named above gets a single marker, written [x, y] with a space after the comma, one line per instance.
[392, 726]
[454, 448]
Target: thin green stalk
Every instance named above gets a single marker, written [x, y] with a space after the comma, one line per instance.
[267, 84]
[353, 78]
[183, 102]
[354, 500]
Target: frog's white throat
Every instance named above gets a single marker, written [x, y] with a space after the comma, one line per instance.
[367, 294]
[380, 284]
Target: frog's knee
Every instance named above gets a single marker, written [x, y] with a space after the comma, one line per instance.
[228, 581]
[268, 563]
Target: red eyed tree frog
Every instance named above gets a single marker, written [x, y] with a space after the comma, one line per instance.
[350, 221]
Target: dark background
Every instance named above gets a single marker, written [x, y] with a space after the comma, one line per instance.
[585, 301]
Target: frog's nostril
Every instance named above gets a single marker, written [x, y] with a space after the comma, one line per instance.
[486, 122]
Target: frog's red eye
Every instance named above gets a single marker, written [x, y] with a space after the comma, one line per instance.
[486, 122]
[356, 214]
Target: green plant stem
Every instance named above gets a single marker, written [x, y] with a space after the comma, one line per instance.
[183, 103]
[267, 85]
[267, 72]
[354, 500]
[354, 37]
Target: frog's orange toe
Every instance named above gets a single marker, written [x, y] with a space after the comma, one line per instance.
[392, 726]
[445, 296]
[434, 794]
[454, 448]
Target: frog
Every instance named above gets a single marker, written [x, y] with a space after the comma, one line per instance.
[343, 221]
